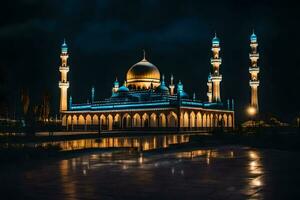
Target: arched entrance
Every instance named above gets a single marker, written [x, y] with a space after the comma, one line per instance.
[126, 121]
[103, 122]
[153, 120]
[162, 120]
[136, 120]
[172, 120]
[110, 121]
[199, 120]
[117, 121]
[145, 120]
[192, 120]
[186, 120]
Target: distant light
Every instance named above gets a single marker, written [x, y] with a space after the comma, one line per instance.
[251, 111]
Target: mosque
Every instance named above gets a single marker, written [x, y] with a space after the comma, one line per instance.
[146, 101]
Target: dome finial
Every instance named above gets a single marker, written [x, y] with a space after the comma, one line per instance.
[215, 40]
[253, 37]
[144, 55]
[163, 77]
[64, 47]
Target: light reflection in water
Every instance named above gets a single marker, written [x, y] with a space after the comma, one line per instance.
[141, 163]
[68, 185]
[142, 143]
[255, 169]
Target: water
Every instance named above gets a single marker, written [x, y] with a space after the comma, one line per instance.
[221, 173]
[142, 143]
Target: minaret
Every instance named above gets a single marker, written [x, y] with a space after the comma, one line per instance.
[116, 86]
[70, 102]
[254, 70]
[64, 83]
[209, 88]
[179, 87]
[172, 86]
[92, 94]
[216, 77]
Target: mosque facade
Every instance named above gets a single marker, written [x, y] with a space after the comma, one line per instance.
[145, 101]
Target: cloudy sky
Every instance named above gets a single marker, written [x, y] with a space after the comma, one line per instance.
[106, 37]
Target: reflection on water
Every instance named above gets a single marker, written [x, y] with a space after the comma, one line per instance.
[256, 180]
[253, 174]
[216, 173]
[177, 165]
[142, 143]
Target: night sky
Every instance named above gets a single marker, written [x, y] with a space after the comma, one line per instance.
[106, 38]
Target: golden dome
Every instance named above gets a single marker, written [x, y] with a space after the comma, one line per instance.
[143, 74]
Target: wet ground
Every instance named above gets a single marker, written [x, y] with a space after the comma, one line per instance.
[221, 173]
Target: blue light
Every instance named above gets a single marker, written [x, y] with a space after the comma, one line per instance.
[64, 47]
[215, 41]
[253, 37]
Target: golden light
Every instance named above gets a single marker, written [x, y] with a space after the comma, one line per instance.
[253, 155]
[251, 111]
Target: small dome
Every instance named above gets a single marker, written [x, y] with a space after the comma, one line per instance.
[253, 37]
[162, 87]
[180, 90]
[184, 95]
[215, 40]
[123, 88]
[64, 47]
[116, 83]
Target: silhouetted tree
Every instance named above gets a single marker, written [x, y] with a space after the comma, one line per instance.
[45, 108]
[25, 101]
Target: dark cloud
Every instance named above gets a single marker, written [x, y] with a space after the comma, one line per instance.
[114, 35]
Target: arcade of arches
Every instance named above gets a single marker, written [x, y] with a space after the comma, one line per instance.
[163, 119]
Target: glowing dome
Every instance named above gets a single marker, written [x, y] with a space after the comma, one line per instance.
[253, 37]
[142, 75]
[215, 40]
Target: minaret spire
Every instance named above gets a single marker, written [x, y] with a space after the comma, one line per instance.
[216, 77]
[254, 70]
[209, 88]
[92, 94]
[116, 86]
[144, 55]
[64, 83]
[172, 86]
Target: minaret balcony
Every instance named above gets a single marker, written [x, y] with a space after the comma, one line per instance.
[63, 84]
[254, 83]
[254, 44]
[64, 56]
[64, 68]
[215, 61]
[216, 78]
[254, 56]
[254, 69]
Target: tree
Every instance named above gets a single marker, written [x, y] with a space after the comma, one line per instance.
[25, 101]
